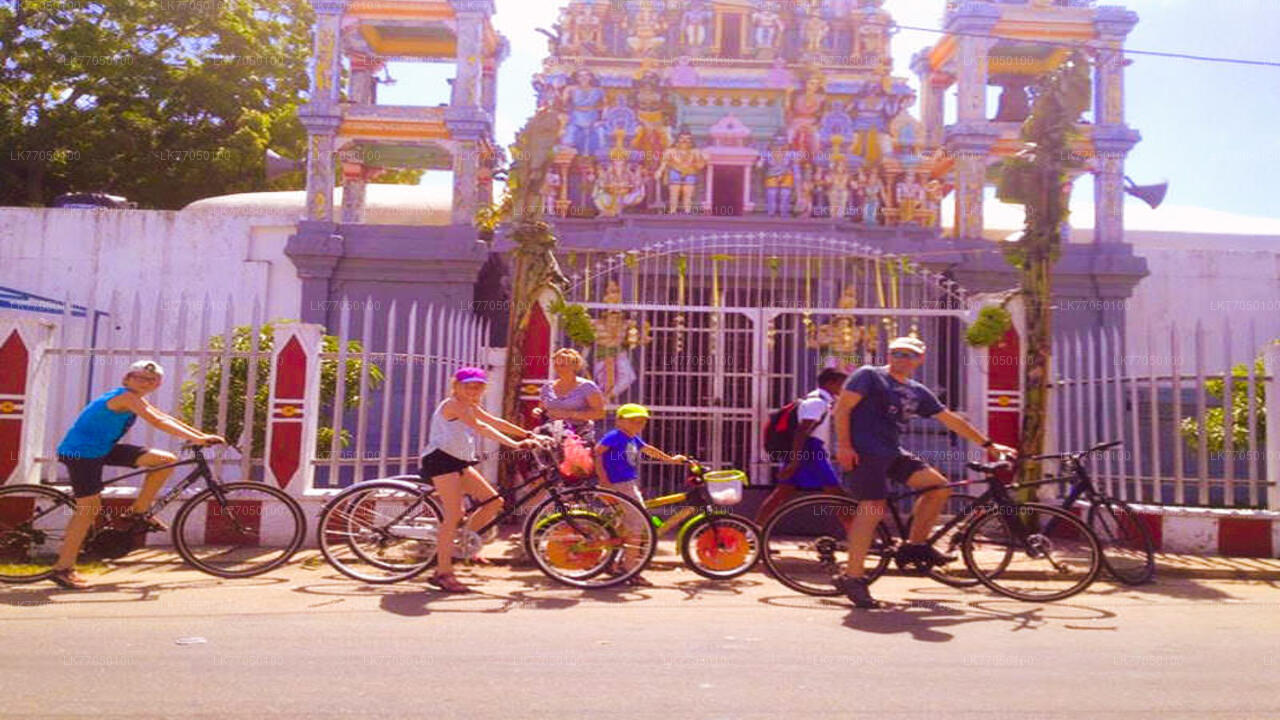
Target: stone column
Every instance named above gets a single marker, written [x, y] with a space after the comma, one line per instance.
[971, 60]
[1112, 138]
[472, 19]
[326, 71]
[361, 83]
[933, 88]
[354, 189]
[321, 134]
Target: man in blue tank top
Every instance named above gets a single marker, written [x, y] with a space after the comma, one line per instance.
[94, 442]
[870, 416]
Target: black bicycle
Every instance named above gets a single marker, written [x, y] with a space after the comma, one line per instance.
[1128, 550]
[1027, 551]
[231, 530]
[384, 531]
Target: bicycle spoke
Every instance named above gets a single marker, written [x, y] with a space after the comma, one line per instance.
[33, 522]
[1032, 552]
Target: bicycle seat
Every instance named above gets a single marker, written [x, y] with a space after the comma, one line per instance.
[990, 468]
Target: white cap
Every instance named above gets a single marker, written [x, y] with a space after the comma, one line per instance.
[147, 366]
[915, 345]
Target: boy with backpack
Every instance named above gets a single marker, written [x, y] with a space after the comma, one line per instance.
[796, 438]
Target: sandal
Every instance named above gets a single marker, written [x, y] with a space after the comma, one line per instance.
[448, 583]
[140, 522]
[68, 579]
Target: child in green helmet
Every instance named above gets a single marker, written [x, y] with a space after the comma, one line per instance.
[618, 457]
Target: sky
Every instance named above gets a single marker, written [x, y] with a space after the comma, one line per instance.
[1209, 129]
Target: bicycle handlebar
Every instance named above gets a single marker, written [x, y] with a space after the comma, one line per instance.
[1080, 453]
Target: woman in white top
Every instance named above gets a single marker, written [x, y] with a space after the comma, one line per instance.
[449, 461]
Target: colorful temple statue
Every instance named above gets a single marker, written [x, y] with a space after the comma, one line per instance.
[803, 111]
[619, 116]
[683, 73]
[583, 29]
[620, 184]
[910, 196]
[680, 169]
[694, 25]
[872, 196]
[615, 337]
[583, 101]
[815, 31]
[647, 31]
[781, 167]
[653, 107]
[846, 343]
[838, 180]
[768, 28]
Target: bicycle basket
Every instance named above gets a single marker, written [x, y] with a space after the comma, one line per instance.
[725, 486]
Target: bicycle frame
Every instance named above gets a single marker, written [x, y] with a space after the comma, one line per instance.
[996, 495]
[200, 471]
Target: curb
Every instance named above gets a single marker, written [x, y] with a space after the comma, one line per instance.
[1213, 532]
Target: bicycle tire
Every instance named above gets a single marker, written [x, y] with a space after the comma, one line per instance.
[952, 574]
[721, 546]
[1076, 547]
[230, 531]
[348, 532]
[806, 562]
[30, 541]
[597, 528]
[1128, 550]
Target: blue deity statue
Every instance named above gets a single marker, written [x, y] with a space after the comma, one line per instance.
[836, 121]
[583, 101]
[781, 169]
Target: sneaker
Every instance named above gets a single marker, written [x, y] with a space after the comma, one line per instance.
[922, 553]
[856, 589]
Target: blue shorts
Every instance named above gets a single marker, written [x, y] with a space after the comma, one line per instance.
[815, 471]
[870, 479]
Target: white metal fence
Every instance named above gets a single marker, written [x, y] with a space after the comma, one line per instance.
[1156, 397]
[216, 364]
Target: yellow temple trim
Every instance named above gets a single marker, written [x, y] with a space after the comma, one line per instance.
[373, 129]
[408, 47]
[400, 10]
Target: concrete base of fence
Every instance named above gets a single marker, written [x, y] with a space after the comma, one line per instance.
[1204, 531]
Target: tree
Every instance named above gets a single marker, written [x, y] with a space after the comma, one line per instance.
[238, 388]
[1214, 422]
[162, 102]
[1036, 178]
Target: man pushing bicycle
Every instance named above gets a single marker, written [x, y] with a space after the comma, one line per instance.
[871, 414]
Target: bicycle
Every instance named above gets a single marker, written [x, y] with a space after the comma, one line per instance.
[1005, 544]
[384, 531]
[231, 530]
[1128, 550]
[715, 543]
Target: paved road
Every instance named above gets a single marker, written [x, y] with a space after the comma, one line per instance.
[309, 643]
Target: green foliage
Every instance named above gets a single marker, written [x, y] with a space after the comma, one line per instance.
[1214, 422]
[162, 102]
[238, 388]
[990, 327]
[578, 326]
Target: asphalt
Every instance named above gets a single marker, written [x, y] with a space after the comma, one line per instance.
[154, 638]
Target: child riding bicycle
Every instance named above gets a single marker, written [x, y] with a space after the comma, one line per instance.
[618, 456]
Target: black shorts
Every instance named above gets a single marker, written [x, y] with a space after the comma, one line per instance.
[439, 462]
[86, 473]
[870, 479]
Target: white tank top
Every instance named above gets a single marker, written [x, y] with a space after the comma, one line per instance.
[451, 436]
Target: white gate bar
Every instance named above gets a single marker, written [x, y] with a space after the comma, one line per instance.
[411, 357]
[1228, 414]
[1202, 421]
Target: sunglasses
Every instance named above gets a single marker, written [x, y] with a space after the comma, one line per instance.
[903, 355]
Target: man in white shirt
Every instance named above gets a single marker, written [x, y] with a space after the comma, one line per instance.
[807, 466]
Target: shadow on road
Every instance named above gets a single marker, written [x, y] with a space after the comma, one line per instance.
[46, 593]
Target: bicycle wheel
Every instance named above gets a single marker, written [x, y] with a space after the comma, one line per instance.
[589, 538]
[1128, 552]
[239, 529]
[33, 524]
[720, 546]
[955, 574]
[380, 532]
[1031, 552]
[805, 544]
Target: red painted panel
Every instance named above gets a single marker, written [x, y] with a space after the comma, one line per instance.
[291, 371]
[1155, 524]
[1005, 360]
[1003, 427]
[285, 452]
[13, 365]
[537, 345]
[10, 439]
[1244, 537]
[219, 528]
